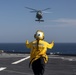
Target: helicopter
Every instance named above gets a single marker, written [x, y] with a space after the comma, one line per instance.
[39, 13]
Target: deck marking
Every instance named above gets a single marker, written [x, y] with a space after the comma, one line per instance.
[2, 68]
[18, 72]
[64, 58]
[57, 57]
[16, 62]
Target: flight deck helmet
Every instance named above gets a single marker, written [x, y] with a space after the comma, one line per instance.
[39, 35]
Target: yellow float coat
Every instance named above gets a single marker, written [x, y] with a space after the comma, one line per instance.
[40, 51]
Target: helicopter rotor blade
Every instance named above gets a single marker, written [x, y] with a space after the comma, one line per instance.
[47, 12]
[31, 8]
[33, 11]
[46, 9]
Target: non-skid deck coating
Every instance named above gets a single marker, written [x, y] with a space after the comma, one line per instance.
[57, 65]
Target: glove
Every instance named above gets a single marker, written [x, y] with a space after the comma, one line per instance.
[27, 42]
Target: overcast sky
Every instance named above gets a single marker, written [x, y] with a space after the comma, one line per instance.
[17, 24]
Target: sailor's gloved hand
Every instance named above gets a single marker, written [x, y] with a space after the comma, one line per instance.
[52, 42]
[27, 42]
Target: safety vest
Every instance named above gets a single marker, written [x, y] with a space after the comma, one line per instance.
[36, 53]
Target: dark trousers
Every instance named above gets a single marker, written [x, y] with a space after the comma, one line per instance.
[38, 66]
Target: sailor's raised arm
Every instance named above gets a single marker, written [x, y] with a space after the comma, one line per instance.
[27, 44]
[50, 45]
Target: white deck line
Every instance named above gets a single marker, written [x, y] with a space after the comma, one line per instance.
[16, 62]
[2, 68]
[57, 57]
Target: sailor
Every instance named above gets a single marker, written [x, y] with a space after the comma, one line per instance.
[38, 56]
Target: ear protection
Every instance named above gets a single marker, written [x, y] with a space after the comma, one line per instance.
[39, 35]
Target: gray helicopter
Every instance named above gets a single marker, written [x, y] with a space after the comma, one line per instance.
[39, 13]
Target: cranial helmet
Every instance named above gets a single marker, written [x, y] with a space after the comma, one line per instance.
[39, 35]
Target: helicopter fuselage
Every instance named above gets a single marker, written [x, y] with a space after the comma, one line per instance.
[39, 15]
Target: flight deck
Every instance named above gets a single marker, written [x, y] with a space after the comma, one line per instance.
[18, 64]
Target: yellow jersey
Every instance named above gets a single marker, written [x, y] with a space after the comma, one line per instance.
[35, 52]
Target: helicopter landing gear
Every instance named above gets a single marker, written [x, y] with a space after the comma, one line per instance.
[40, 20]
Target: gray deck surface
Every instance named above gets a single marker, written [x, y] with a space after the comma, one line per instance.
[57, 65]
